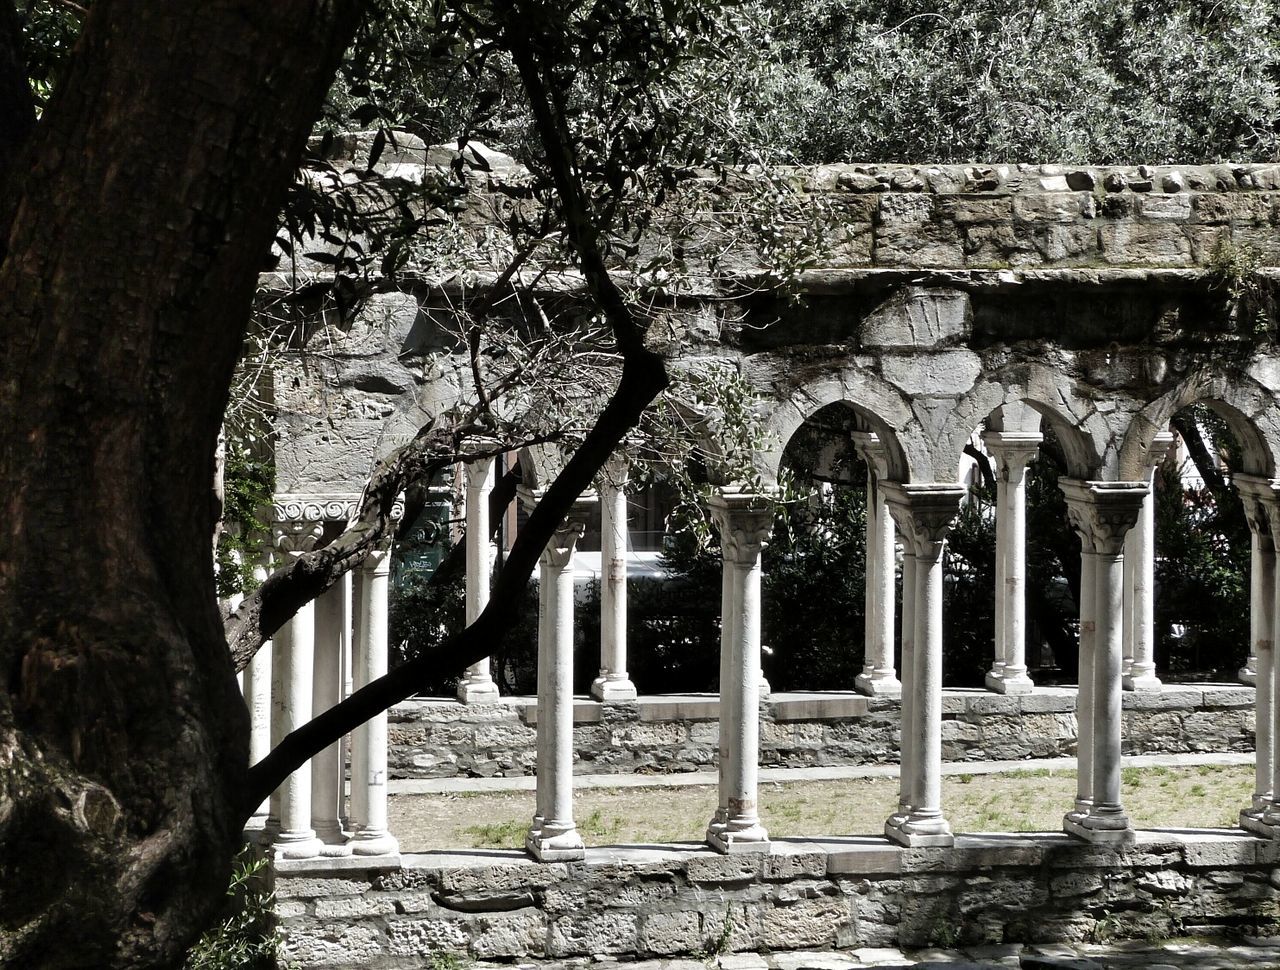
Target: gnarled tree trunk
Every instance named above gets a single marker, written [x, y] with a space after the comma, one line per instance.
[132, 227]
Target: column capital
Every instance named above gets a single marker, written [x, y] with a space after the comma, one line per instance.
[924, 513]
[872, 450]
[1014, 450]
[1261, 503]
[1158, 450]
[560, 547]
[615, 472]
[1102, 513]
[744, 521]
[479, 472]
[296, 536]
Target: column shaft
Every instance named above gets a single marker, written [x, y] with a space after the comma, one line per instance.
[372, 837]
[727, 716]
[297, 839]
[257, 695]
[1002, 590]
[553, 835]
[878, 677]
[1140, 669]
[907, 758]
[614, 683]
[477, 685]
[327, 769]
[1084, 690]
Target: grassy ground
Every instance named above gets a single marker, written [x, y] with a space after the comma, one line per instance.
[1024, 801]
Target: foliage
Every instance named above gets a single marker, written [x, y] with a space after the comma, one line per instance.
[1056, 81]
[245, 939]
[248, 486]
[1248, 296]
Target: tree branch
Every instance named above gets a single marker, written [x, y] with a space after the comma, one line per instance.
[644, 376]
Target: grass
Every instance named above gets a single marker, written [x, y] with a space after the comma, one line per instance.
[1024, 801]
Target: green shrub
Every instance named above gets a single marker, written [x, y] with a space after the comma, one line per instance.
[245, 939]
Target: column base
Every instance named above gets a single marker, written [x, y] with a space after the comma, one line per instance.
[373, 844]
[1258, 824]
[730, 841]
[1142, 683]
[919, 832]
[1099, 829]
[878, 685]
[603, 689]
[554, 843]
[478, 692]
[297, 845]
[1004, 683]
[1247, 675]
[334, 843]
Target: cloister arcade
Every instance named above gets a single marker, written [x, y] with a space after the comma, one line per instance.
[1013, 303]
[1112, 454]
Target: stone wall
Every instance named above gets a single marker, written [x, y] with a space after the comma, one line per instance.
[635, 901]
[662, 735]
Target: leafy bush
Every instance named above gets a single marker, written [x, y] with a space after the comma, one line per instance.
[245, 939]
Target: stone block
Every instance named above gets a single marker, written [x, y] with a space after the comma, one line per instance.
[514, 875]
[779, 866]
[423, 936]
[507, 936]
[942, 373]
[1165, 208]
[967, 209]
[818, 708]
[670, 933]
[1046, 701]
[918, 317]
[1205, 851]
[311, 887]
[738, 927]
[330, 945]
[1220, 697]
[586, 934]
[1138, 244]
[712, 867]
[808, 922]
[1050, 207]
[354, 907]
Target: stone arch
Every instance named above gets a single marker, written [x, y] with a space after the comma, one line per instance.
[1249, 408]
[539, 465]
[883, 409]
[1087, 436]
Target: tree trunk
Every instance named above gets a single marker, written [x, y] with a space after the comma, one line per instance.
[144, 206]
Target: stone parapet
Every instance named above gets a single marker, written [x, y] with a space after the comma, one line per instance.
[833, 893]
[679, 733]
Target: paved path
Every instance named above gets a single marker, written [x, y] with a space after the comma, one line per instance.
[1197, 954]
[434, 786]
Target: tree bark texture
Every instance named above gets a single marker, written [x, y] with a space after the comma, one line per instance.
[142, 205]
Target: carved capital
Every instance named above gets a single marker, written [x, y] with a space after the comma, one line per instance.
[293, 537]
[744, 521]
[871, 450]
[559, 548]
[378, 561]
[1102, 513]
[923, 513]
[1261, 505]
[615, 472]
[1158, 450]
[479, 474]
[1013, 450]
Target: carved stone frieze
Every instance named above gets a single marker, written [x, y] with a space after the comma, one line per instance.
[322, 508]
[1102, 513]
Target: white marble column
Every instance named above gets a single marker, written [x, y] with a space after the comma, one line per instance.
[370, 833]
[1268, 824]
[614, 683]
[1102, 512]
[729, 633]
[257, 696]
[477, 685]
[878, 677]
[924, 514]
[1262, 511]
[296, 839]
[907, 760]
[1013, 451]
[744, 521]
[1140, 582]
[553, 835]
[327, 768]
[1085, 677]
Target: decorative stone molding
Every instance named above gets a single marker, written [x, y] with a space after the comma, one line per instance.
[323, 508]
[1103, 512]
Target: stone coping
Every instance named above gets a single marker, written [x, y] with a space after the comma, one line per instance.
[851, 855]
[823, 705]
